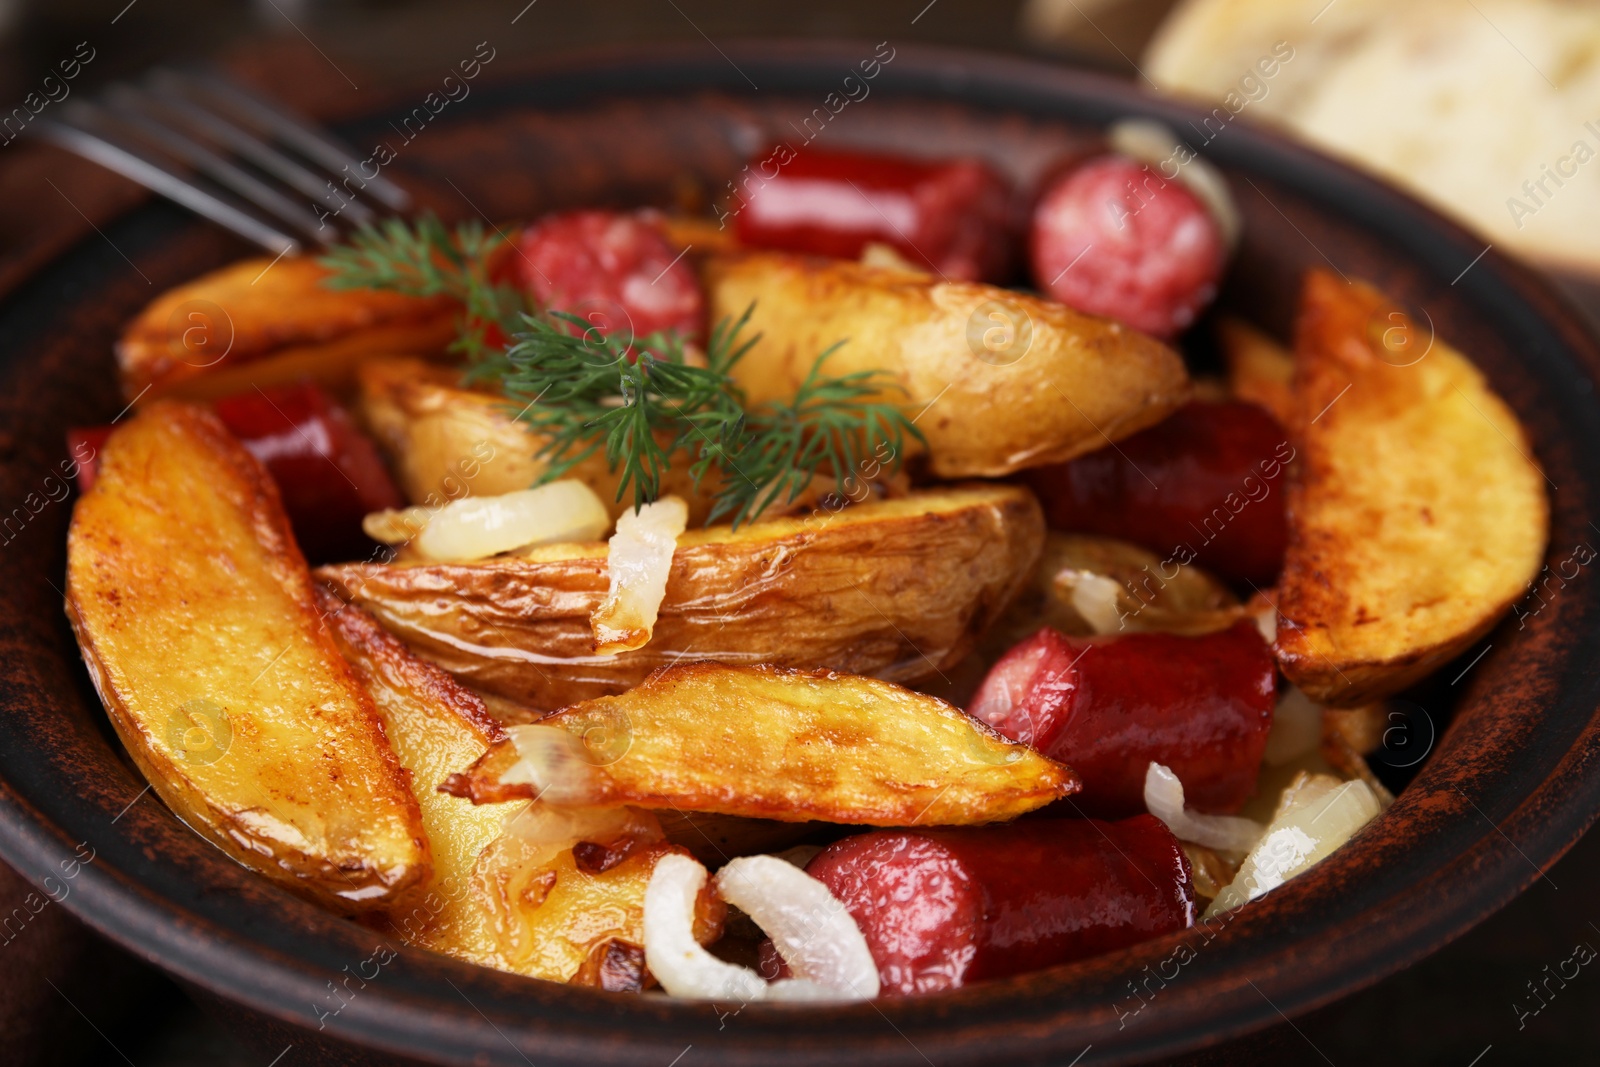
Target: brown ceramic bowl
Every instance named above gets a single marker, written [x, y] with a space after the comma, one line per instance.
[1509, 785]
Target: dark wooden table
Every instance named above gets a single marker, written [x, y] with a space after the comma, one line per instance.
[1496, 996]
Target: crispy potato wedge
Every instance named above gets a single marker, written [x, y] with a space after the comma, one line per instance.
[260, 323]
[436, 728]
[772, 743]
[1260, 370]
[445, 442]
[493, 898]
[195, 615]
[1415, 513]
[1007, 380]
[897, 589]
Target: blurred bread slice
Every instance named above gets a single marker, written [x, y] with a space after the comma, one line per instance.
[1206, 47]
[1490, 109]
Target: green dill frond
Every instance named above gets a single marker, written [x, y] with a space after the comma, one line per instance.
[642, 405]
[425, 259]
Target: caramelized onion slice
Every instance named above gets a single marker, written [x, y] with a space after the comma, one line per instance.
[677, 960]
[1163, 796]
[556, 763]
[812, 931]
[1097, 599]
[1316, 815]
[809, 927]
[639, 562]
[396, 526]
[477, 527]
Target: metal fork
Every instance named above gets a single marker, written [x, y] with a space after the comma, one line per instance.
[227, 153]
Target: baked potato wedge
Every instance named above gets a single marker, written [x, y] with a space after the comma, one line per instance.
[897, 589]
[257, 322]
[1416, 515]
[552, 913]
[999, 380]
[444, 442]
[436, 728]
[538, 907]
[195, 614]
[772, 743]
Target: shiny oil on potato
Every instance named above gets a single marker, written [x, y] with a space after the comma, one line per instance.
[898, 589]
[497, 898]
[195, 615]
[1416, 516]
[436, 728]
[770, 743]
[553, 912]
[264, 323]
[999, 380]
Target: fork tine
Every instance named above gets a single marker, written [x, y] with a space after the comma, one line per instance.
[127, 106]
[113, 154]
[312, 143]
[166, 94]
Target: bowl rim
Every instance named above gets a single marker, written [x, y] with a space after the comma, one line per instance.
[1494, 863]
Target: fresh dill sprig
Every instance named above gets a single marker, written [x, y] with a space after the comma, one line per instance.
[645, 403]
[829, 426]
[583, 392]
[423, 258]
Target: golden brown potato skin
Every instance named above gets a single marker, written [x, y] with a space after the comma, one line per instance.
[550, 914]
[1416, 516]
[195, 615]
[436, 728]
[898, 589]
[445, 442]
[492, 898]
[772, 743]
[260, 323]
[1077, 382]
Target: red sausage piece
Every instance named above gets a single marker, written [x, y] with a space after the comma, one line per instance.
[1200, 487]
[328, 473]
[83, 446]
[942, 908]
[616, 271]
[1113, 238]
[1107, 707]
[950, 216]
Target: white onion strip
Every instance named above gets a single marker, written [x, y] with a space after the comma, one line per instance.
[679, 963]
[1163, 797]
[477, 527]
[1098, 600]
[639, 562]
[809, 927]
[812, 931]
[556, 763]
